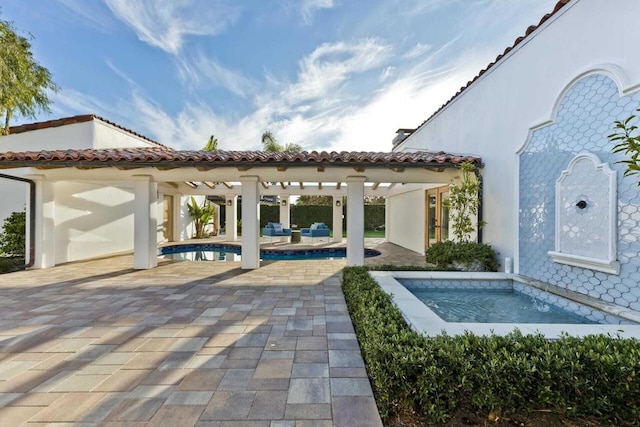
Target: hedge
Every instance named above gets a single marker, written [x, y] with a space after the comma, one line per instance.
[594, 376]
[305, 215]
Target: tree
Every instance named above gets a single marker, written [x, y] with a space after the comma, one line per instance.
[315, 200]
[24, 84]
[464, 203]
[212, 144]
[201, 214]
[12, 239]
[628, 142]
[271, 144]
[374, 200]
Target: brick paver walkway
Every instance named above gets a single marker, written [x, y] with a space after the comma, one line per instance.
[184, 344]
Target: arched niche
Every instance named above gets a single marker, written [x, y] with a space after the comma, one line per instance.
[585, 223]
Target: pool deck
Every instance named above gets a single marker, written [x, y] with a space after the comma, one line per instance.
[184, 344]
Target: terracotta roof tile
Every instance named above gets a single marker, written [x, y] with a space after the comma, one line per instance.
[159, 156]
[519, 40]
[73, 120]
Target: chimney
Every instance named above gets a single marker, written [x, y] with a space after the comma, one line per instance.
[401, 135]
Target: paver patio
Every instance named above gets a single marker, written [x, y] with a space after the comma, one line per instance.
[187, 343]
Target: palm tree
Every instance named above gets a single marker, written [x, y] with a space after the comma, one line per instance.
[201, 214]
[212, 144]
[271, 144]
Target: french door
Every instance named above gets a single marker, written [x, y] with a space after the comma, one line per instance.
[437, 215]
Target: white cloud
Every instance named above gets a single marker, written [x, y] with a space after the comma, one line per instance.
[386, 74]
[92, 13]
[331, 64]
[165, 24]
[199, 71]
[421, 7]
[70, 102]
[308, 8]
[418, 50]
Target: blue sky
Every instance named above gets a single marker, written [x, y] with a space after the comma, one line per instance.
[325, 74]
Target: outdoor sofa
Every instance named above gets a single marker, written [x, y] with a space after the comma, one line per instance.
[317, 229]
[275, 229]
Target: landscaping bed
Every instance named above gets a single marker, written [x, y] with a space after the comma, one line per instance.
[11, 264]
[476, 380]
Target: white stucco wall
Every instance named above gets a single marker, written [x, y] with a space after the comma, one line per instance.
[91, 219]
[109, 136]
[68, 137]
[406, 218]
[493, 117]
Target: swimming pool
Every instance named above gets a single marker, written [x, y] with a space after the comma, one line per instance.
[230, 252]
[602, 317]
[492, 306]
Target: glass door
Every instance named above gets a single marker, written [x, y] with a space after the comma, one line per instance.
[437, 215]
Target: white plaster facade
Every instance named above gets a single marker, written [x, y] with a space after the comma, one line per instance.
[84, 218]
[494, 117]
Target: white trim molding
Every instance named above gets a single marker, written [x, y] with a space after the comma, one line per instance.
[585, 215]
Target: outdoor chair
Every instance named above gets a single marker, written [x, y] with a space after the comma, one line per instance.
[275, 229]
[317, 229]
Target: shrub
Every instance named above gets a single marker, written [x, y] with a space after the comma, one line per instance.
[9, 265]
[468, 256]
[12, 238]
[594, 376]
[627, 142]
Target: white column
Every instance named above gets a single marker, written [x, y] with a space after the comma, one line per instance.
[285, 214]
[250, 223]
[45, 248]
[231, 217]
[355, 220]
[285, 211]
[337, 218]
[27, 235]
[176, 212]
[145, 223]
[153, 223]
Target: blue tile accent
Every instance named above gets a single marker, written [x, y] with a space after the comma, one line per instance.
[585, 118]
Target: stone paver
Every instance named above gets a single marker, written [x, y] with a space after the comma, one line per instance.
[184, 344]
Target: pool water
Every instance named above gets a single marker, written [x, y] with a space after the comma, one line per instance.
[227, 252]
[492, 306]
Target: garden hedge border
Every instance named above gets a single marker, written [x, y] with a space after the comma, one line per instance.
[594, 376]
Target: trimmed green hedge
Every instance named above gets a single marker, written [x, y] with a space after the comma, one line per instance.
[592, 376]
[305, 215]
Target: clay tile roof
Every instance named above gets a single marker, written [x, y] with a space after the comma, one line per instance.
[73, 120]
[519, 40]
[159, 156]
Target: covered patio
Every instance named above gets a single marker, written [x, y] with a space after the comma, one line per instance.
[161, 170]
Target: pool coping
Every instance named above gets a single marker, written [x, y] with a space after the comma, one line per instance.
[422, 319]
